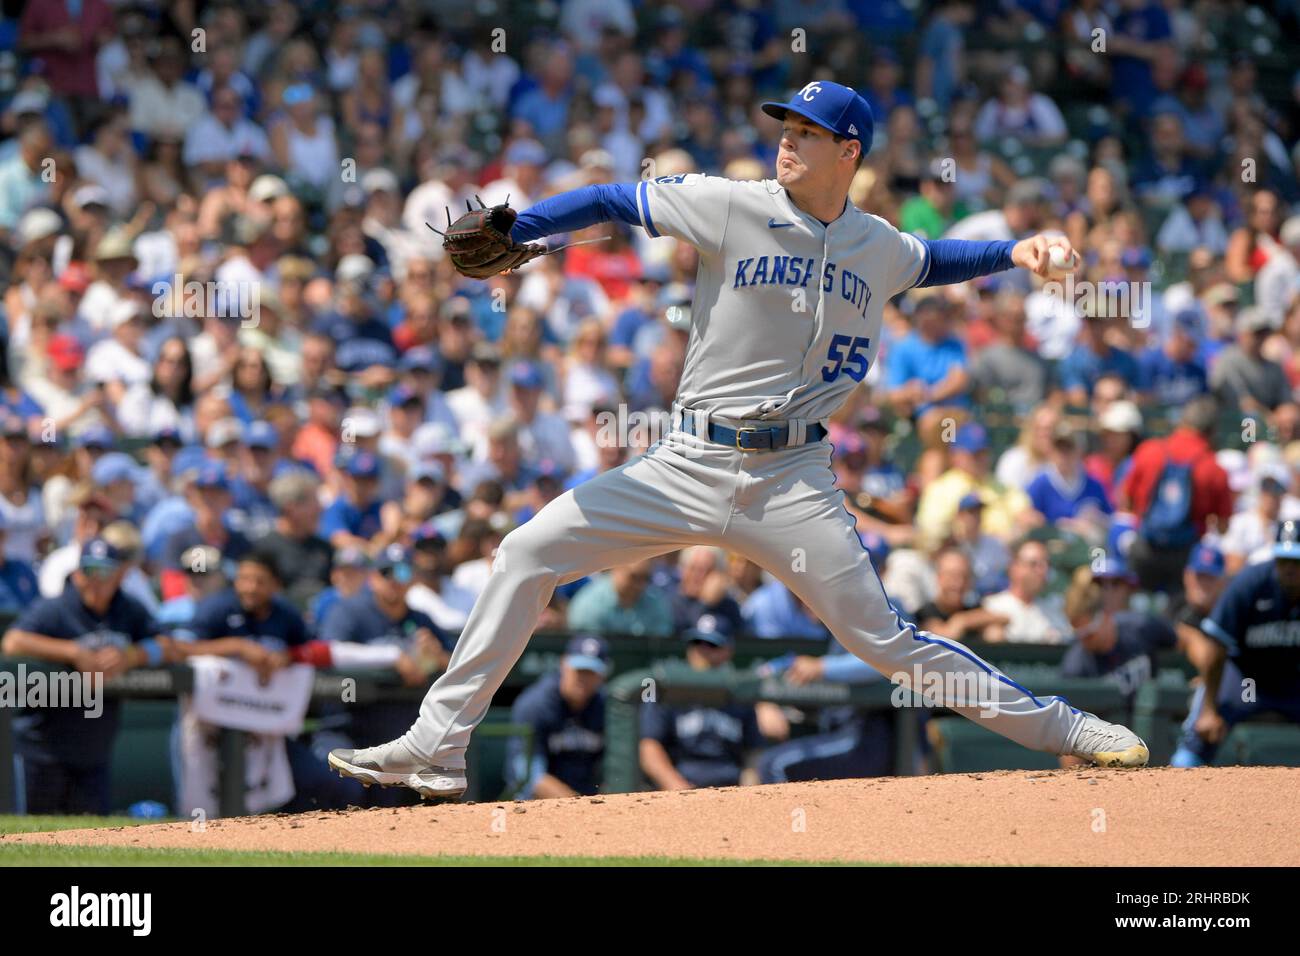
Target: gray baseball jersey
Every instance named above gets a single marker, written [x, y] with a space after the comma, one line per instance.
[785, 323]
[787, 311]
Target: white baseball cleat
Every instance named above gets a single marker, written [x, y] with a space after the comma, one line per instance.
[393, 765]
[1108, 745]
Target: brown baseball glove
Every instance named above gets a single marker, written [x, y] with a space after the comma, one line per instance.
[479, 242]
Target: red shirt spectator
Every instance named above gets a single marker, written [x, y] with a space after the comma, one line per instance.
[67, 46]
[1210, 492]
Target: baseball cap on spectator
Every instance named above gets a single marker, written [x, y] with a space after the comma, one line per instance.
[587, 652]
[394, 561]
[1273, 478]
[211, 476]
[526, 375]
[83, 197]
[261, 434]
[97, 437]
[380, 180]
[427, 535]
[113, 467]
[427, 471]
[267, 187]
[115, 245]
[972, 438]
[223, 432]
[1253, 319]
[297, 93]
[28, 102]
[65, 352]
[1206, 559]
[435, 438]
[362, 422]
[1188, 321]
[597, 158]
[201, 559]
[400, 395]
[350, 557]
[1028, 192]
[1287, 545]
[354, 269]
[1121, 416]
[361, 464]
[167, 435]
[75, 277]
[421, 358]
[38, 224]
[456, 309]
[525, 152]
[711, 629]
[970, 502]
[98, 555]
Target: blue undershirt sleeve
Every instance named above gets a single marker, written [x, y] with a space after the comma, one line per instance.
[578, 209]
[956, 260]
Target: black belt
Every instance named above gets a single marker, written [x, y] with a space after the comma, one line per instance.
[763, 438]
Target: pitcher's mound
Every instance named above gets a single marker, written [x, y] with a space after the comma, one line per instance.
[1238, 816]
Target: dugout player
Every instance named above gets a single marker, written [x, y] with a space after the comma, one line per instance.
[1247, 652]
[63, 753]
[566, 710]
[686, 747]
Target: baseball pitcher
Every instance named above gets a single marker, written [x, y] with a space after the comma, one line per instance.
[789, 298]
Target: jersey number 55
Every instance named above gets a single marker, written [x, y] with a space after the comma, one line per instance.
[853, 363]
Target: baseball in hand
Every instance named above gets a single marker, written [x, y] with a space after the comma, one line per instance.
[1060, 262]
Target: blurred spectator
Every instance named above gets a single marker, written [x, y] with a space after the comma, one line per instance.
[1017, 112]
[703, 588]
[1242, 377]
[1251, 531]
[1173, 374]
[1032, 616]
[927, 372]
[622, 602]
[988, 556]
[1009, 370]
[1177, 489]
[1120, 430]
[1093, 358]
[1204, 579]
[565, 710]
[302, 557]
[1064, 493]
[773, 610]
[1004, 508]
[204, 577]
[432, 591]
[954, 612]
[687, 747]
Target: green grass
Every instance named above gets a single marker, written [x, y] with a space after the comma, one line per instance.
[31, 855]
[26, 854]
[45, 824]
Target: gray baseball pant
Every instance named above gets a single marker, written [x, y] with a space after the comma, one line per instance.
[781, 510]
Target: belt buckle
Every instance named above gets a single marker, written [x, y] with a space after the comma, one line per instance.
[742, 431]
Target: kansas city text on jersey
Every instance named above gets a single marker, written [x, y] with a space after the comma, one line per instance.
[796, 271]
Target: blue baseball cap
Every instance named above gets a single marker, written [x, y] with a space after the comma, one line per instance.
[1287, 546]
[99, 554]
[587, 652]
[260, 434]
[96, 436]
[711, 629]
[166, 434]
[396, 559]
[428, 534]
[832, 106]
[1206, 559]
[969, 502]
[212, 476]
[1115, 567]
[421, 358]
[400, 395]
[115, 466]
[362, 464]
[526, 375]
[972, 438]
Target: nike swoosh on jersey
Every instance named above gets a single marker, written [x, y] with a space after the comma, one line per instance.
[773, 224]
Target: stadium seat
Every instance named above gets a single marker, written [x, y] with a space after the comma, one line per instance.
[142, 766]
[486, 758]
[962, 746]
[1261, 745]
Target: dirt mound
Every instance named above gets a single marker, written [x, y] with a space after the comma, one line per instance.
[1240, 816]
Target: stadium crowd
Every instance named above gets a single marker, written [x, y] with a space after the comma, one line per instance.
[249, 410]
